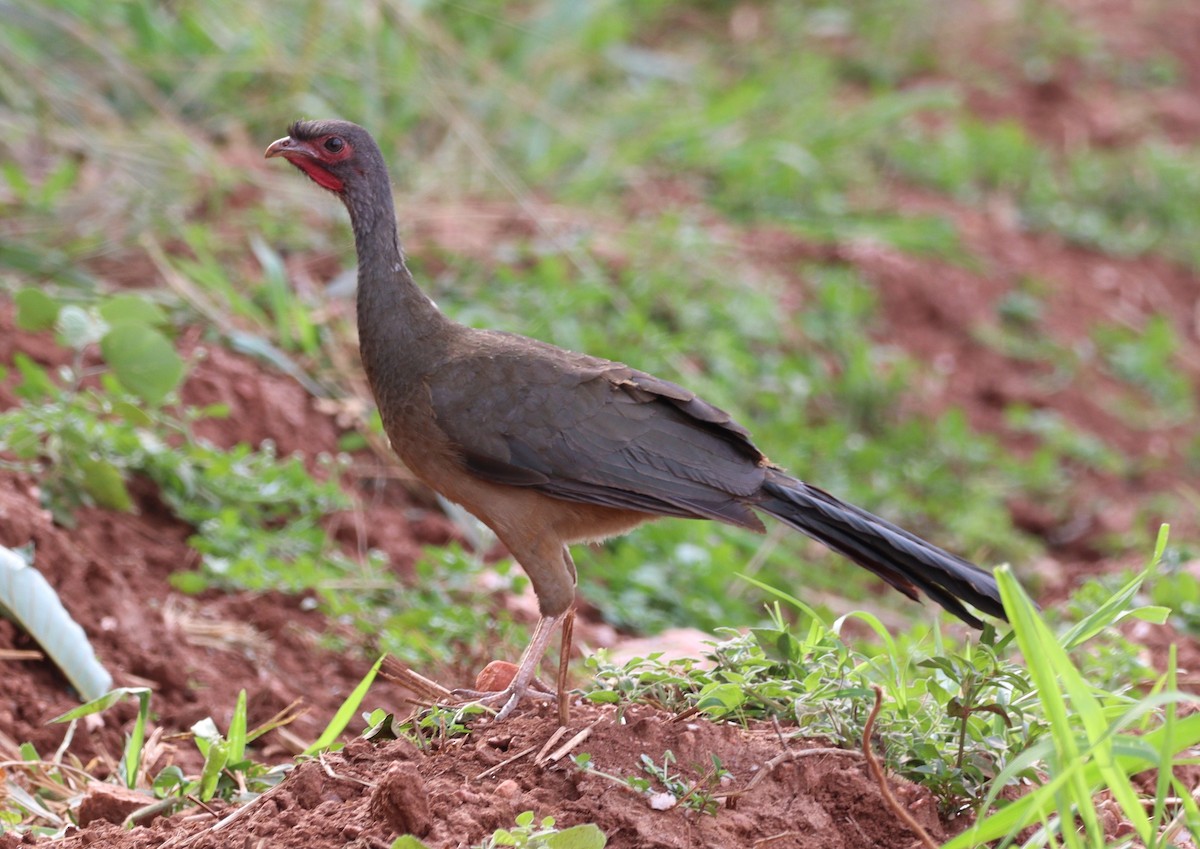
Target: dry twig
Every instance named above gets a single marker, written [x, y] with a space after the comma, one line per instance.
[564, 660]
[490, 771]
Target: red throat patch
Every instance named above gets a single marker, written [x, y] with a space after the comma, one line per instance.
[318, 174]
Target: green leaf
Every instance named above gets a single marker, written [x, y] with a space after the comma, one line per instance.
[132, 309]
[104, 484]
[603, 697]
[407, 841]
[346, 712]
[143, 360]
[137, 738]
[584, 836]
[720, 699]
[59, 180]
[237, 730]
[169, 781]
[1117, 605]
[17, 181]
[35, 310]
[190, 583]
[133, 414]
[381, 725]
[36, 608]
[212, 411]
[214, 762]
[35, 382]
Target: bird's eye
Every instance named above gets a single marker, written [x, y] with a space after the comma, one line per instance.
[333, 144]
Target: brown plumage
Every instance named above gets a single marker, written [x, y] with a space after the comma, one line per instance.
[548, 447]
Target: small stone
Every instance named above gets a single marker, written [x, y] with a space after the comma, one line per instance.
[662, 801]
[507, 789]
[495, 676]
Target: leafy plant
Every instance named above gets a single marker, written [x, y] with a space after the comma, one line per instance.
[951, 717]
[444, 613]
[227, 771]
[958, 718]
[1147, 358]
[1093, 742]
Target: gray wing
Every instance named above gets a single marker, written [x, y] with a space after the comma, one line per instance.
[594, 431]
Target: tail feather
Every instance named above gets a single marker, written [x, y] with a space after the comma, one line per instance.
[902, 559]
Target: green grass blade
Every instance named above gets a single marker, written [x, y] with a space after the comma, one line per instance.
[1045, 661]
[346, 712]
[783, 596]
[1116, 607]
[137, 739]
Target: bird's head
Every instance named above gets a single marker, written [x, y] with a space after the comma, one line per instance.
[337, 155]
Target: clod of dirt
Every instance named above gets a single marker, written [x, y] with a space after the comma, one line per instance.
[401, 800]
[110, 803]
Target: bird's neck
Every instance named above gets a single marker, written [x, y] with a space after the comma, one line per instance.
[398, 325]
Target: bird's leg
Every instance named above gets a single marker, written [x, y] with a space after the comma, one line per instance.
[526, 670]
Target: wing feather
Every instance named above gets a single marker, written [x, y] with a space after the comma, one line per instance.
[598, 432]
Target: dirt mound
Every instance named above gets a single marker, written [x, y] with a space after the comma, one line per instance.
[457, 792]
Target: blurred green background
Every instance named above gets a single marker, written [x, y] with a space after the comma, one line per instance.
[680, 185]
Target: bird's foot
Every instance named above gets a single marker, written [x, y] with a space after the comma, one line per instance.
[506, 699]
[514, 682]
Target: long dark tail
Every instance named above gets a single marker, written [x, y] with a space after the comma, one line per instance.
[904, 560]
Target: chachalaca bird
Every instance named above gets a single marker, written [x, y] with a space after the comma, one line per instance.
[548, 447]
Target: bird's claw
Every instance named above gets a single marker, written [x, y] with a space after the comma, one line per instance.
[507, 699]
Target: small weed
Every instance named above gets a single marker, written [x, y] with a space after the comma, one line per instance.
[447, 613]
[1146, 358]
[951, 718]
[1125, 202]
[257, 518]
[696, 795]
[428, 728]
[957, 717]
[528, 833]
[228, 773]
[1059, 440]
[131, 761]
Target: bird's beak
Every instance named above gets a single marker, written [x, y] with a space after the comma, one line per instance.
[287, 147]
[305, 157]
